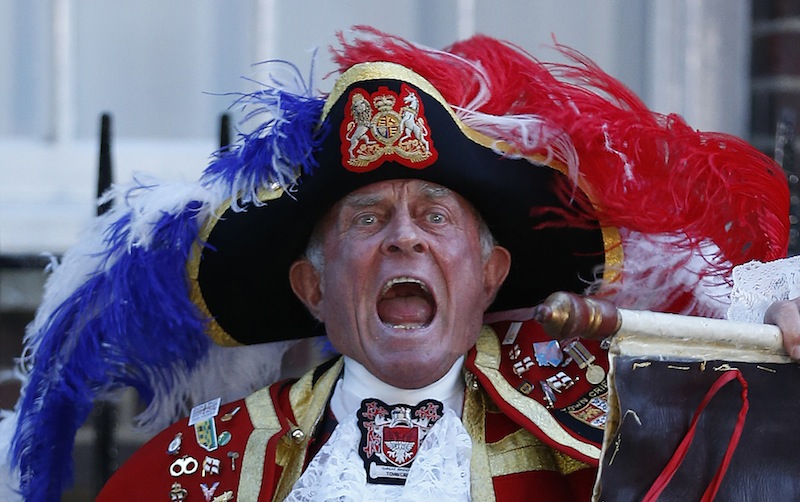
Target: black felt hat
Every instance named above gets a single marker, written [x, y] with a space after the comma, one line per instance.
[382, 121]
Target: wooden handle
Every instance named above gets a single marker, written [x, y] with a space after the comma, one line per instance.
[567, 315]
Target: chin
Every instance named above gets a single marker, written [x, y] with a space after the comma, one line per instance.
[413, 373]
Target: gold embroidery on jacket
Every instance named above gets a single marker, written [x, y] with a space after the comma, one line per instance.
[567, 464]
[518, 452]
[266, 424]
[474, 420]
[308, 403]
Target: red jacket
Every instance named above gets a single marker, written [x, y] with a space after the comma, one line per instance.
[521, 450]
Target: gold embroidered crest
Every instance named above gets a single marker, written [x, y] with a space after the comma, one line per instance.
[385, 126]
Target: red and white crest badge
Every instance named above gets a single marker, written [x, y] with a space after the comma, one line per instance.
[384, 126]
[391, 436]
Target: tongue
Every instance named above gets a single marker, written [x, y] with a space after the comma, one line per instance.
[406, 311]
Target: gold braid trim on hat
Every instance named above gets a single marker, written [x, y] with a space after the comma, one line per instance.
[213, 329]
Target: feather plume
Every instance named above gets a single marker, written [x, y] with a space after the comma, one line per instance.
[280, 147]
[117, 312]
[705, 195]
[97, 339]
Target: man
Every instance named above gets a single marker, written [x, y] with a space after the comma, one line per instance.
[396, 245]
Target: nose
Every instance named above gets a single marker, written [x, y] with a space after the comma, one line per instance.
[403, 235]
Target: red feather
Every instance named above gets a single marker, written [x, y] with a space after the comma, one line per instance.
[647, 172]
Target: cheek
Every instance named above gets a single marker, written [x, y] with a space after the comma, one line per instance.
[465, 269]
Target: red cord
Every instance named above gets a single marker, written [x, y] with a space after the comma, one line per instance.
[680, 453]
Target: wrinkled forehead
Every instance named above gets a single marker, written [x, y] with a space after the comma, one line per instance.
[377, 192]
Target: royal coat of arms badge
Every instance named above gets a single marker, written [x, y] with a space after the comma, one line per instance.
[385, 126]
[391, 436]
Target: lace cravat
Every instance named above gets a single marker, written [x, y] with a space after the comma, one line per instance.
[440, 472]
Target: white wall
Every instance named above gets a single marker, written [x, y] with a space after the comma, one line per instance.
[152, 64]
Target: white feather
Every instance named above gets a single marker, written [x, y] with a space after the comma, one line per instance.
[526, 134]
[146, 200]
[231, 373]
[658, 268]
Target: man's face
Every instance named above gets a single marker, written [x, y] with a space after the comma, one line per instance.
[404, 285]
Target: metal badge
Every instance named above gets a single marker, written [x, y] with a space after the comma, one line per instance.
[233, 455]
[560, 382]
[523, 365]
[594, 373]
[208, 492]
[177, 493]
[548, 353]
[206, 434]
[175, 445]
[511, 333]
[525, 387]
[210, 466]
[225, 497]
[228, 416]
[549, 395]
[183, 466]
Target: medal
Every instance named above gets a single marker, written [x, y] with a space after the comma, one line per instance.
[577, 351]
[595, 374]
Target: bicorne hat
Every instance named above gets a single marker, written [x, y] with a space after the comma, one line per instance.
[383, 121]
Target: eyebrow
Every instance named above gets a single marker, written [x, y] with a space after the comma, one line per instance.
[434, 191]
[361, 200]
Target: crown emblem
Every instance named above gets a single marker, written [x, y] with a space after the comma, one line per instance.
[385, 126]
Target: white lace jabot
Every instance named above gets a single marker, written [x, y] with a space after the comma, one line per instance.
[440, 471]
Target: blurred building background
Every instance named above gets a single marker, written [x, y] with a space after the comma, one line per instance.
[161, 69]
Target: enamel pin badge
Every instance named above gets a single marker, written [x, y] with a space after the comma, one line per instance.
[391, 436]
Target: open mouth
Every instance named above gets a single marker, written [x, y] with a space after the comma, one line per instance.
[406, 303]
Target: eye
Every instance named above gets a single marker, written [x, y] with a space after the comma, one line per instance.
[366, 219]
[436, 217]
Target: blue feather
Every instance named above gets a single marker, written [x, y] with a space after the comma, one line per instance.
[102, 339]
[130, 321]
[278, 150]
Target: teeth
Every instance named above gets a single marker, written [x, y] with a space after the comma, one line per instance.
[404, 280]
[405, 326]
